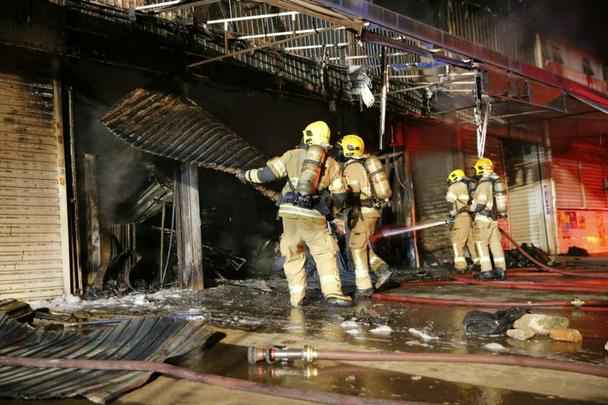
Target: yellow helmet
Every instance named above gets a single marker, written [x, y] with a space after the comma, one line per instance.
[352, 146]
[316, 133]
[483, 166]
[456, 176]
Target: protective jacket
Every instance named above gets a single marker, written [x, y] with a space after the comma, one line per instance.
[289, 166]
[458, 196]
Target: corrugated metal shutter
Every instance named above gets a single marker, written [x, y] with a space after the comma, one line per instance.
[568, 189]
[526, 211]
[32, 220]
[430, 170]
[592, 177]
[431, 147]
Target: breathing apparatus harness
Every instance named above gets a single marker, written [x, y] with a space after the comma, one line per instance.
[318, 201]
[493, 213]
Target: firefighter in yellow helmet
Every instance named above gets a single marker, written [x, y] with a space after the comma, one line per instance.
[489, 203]
[308, 171]
[461, 231]
[369, 191]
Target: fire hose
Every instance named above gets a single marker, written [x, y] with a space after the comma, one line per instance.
[270, 194]
[308, 354]
[186, 374]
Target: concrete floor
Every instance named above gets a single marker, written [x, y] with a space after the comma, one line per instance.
[250, 316]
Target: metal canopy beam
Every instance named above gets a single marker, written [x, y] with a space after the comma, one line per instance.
[372, 37]
[427, 33]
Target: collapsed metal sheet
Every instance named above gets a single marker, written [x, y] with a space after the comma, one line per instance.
[177, 128]
[154, 339]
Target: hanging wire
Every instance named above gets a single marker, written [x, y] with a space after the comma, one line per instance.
[482, 127]
[164, 271]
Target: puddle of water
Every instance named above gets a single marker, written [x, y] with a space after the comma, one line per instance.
[230, 361]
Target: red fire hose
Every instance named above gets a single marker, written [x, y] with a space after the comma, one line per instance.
[579, 286]
[186, 374]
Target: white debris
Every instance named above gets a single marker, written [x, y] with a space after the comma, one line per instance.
[72, 299]
[416, 378]
[140, 300]
[382, 330]
[420, 334]
[349, 325]
[70, 303]
[417, 343]
[606, 346]
[495, 347]
[353, 331]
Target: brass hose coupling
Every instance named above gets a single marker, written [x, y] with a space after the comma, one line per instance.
[281, 353]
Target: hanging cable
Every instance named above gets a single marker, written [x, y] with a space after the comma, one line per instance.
[164, 271]
[481, 113]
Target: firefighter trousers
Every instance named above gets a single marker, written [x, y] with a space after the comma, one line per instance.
[487, 238]
[461, 235]
[299, 233]
[362, 255]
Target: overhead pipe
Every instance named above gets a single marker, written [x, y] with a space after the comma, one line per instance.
[308, 354]
[191, 375]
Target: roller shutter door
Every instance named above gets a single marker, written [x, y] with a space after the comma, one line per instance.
[568, 188]
[33, 220]
[430, 171]
[592, 177]
[580, 184]
[526, 211]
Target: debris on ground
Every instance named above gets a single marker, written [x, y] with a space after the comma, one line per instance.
[15, 309]
[577, 251]
[382, 330]
[566, 335]
[480, 323]
[521, 334]
[422, 334]
[495, 347]
[255, 284]
[349, 324]
[515, 259]
[416, 378]
[541, 324]
[606, 346]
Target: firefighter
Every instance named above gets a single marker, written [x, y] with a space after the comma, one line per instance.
[489, 203]
[369, 192]
[461, 231]
[308, 171]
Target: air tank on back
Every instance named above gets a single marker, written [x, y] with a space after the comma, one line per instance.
[314, 157]
[378, 178]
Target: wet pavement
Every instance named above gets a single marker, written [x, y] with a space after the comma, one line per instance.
[259, 310]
